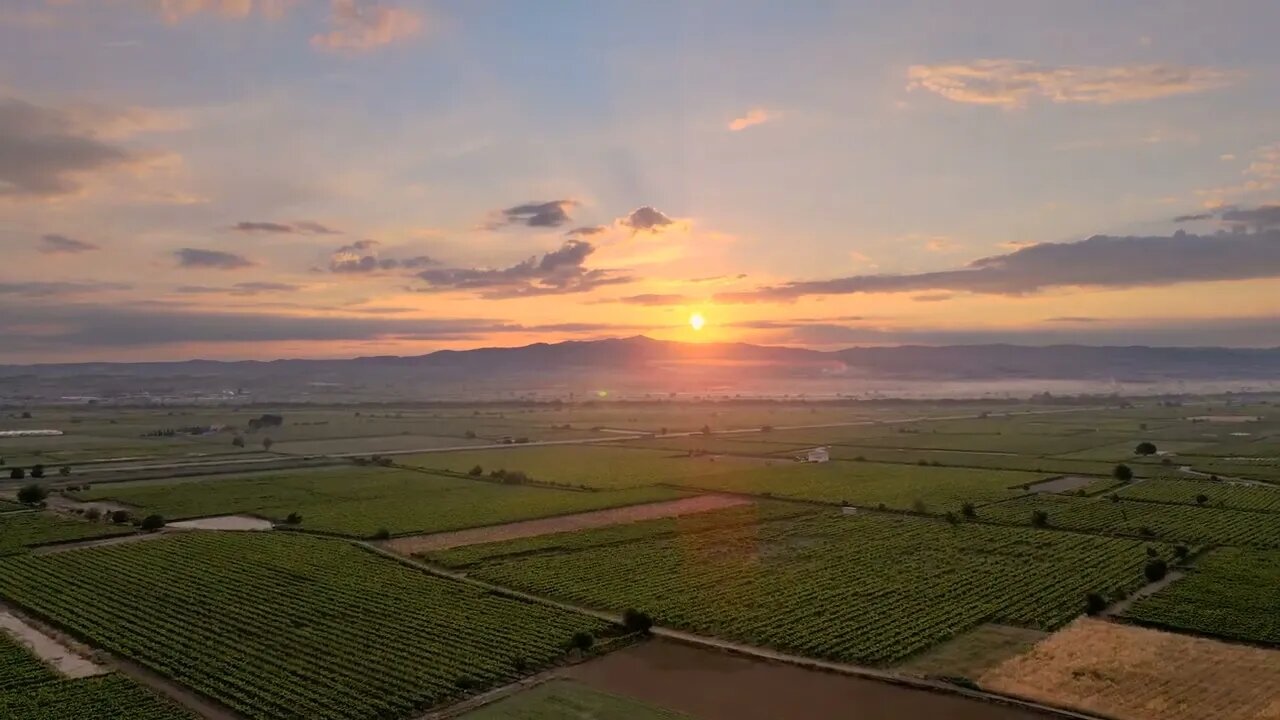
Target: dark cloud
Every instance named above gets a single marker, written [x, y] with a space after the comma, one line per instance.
[244, 288]
[42, 151]
[1192, 218]
[105, 326]
[557, 272]
[645, 218]
[586, 230]
[302, 227]
[654, 299]
[1264, 217]
[362, 257]
[1100, 261]
[57, 288]
[214, 259]
[552, 213]
[62, 245]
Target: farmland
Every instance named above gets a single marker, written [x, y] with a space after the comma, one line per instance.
[32, 691]
[1173, 523]
[1215, 494]
[279, 625]
[566, 699]
[1135, 673]
[1230, 593]
[20, 530]
[818, 583]
[868, 484]
[361, 501]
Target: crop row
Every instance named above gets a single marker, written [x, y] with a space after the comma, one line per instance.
[1217, 494]
[867, 588]
[1231, 592]
[291, 626]
[24, 529]
[1174, 523]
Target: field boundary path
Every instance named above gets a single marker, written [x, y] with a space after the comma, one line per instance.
[193, 701]
[752, 651]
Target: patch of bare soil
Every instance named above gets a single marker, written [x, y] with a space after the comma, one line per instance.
[1062, 483]
[563, 523]
[1135, 673]
[58, 656]
[246, 523]
[712, 685]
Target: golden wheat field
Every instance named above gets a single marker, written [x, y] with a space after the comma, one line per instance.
[1134, 673]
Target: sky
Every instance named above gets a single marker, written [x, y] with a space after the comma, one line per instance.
[255, 179]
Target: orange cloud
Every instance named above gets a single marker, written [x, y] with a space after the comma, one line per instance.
[1013, 83]
[174, 11]
[755, 116]
[359, 26]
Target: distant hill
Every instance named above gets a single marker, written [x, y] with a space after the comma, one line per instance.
[634, 364]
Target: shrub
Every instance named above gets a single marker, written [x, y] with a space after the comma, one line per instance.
[519, 664]
[37, 471]
[65, 470]
[968, 510]
[32, 494]
[382, 534]
[238, 441]
[1181, 552]
[1155, 569]
[152, 522]
[1145, 448]
[93, 513]
[1123, 473]
[920, 507]
[516, 477]
[466, 682]
[476, 471]
[1152, 552]
[636, 621]
[951, 518]
[1039, 518]
[120, 517]
[17, 474]
[582, 641]
[293, 519]
[1202, 499]
[1094, 603]
[470, 434]
[1145, 531]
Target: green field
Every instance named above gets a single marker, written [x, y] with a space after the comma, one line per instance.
[30, 690]
[868, 588]
[282, 625]
[1216, 494]
[1173, 523]
[19, 530]
[870, 484]
[597, 466]
[561, 699]
[1231, 592]
[360, 501]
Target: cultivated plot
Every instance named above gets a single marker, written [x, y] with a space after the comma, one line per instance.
[596, 466]
[1134, 673]
[868, 588]
[20, 530]
[1231, 592]
[361, 501]
[281, 625]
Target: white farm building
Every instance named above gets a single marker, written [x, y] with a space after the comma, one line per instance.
[29, 433]
[816, 455]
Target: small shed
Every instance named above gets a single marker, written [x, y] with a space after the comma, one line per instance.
[817, 455]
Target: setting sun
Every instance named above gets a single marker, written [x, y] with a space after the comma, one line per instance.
[696, 321]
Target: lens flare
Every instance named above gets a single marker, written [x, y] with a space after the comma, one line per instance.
[696, 321]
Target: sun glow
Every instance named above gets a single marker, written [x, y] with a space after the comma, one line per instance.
[696, 321]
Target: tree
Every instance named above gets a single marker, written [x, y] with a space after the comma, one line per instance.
[17, 474]
[470, 434]
[37, 471]
[120, 517]
[152, 522]
[382, 534]
[951, 517]
[968, 510]
[582, 641]
[919, 506]
[267, 443]
[1180, 552]
[93, 513]
[1155, 569]
[636, 621]
[1039, 518]
[1094, 603]
[293, 519]
[32, 494]
[1123, 473]
[476, 471]
[65, 470]
[238, 441]
[1145, 448]
[1152, 552]
[706, 429]
[1202, 499]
